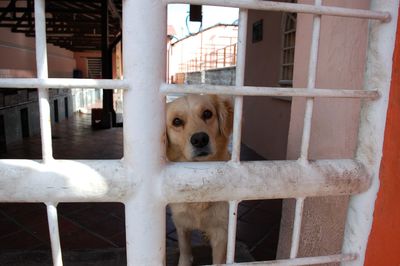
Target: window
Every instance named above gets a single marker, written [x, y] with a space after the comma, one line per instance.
[288, 45]
[94, 67]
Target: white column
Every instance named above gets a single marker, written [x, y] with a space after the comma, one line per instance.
[42, 73]
[144, 57]
[372, 127]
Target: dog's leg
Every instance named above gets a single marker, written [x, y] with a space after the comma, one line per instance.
[218, 239]
[185, 249]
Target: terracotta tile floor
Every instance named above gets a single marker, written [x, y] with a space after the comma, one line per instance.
[100, 226]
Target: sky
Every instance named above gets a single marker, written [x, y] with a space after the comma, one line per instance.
[177, 14]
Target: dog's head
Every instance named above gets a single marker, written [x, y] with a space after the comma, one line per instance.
[198, 128]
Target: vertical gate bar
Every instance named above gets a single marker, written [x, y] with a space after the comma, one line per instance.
[42, 73]
[312, 72]
[372, 126]
[144, 59]
[230, 255]
[294, 249]
[52, 218]
[239, 81]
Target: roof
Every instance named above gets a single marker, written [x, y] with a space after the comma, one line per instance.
[72, 24]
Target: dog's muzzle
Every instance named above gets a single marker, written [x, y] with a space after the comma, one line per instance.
[200, 143]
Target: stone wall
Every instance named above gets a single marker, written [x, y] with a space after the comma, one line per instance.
[220, 76]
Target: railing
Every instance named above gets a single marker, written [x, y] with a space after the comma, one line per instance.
[211, 59]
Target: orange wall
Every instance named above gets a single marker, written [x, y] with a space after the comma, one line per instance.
[17, 52]
[384, 242]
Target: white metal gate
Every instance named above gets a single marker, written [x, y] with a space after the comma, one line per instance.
[143, 180]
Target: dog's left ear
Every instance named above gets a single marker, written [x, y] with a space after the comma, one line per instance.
[224, 107]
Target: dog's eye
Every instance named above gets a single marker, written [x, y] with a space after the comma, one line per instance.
[207, 114]
[177, 122]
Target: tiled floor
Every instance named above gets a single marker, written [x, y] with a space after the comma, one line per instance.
[100, 226]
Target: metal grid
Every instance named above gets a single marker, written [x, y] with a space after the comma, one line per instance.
[143, 180]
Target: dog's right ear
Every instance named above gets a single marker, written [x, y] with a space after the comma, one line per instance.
[224, 107]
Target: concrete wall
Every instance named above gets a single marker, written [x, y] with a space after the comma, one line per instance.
[12, 104]
[341, 63]
[60, 95]
[220, 76]
[265, 119]
[12, 121]
[193, 77]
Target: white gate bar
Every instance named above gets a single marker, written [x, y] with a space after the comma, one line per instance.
[62, 83]
[312, 73]
[294, 249]
[268, 91]
[42, 73]
[106, 180]
[289, 7]
[218, 181]
[301, 261]
[52, 219]
[230, 255]
[372, 126]
[239, 81]
[40, 39]
[144, 53]
[63, 181]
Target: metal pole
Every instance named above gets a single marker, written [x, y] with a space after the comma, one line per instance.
[52, 219]
[230, 254]
[297, 228]
[144, 54]
[269, 91]
[42, 73]
[312, 73]
[106, 67]
[241, 60]
[291, 8]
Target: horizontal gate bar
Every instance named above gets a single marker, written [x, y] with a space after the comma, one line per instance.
[105, 180]
[219, 181]
[62, 83]
[289, 7]
[268, 91]
[301, 261]
[62, 181]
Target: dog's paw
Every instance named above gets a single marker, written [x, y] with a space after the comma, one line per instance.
[185, 261]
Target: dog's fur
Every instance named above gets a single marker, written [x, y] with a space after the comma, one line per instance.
[188, 123]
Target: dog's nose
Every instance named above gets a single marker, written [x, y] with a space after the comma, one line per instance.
[199, 140]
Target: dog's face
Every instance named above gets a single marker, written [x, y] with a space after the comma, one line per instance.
[198, 128]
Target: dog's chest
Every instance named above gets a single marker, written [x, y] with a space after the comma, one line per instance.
[191, 215]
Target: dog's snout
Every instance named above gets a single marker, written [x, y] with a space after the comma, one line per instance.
[199, 140]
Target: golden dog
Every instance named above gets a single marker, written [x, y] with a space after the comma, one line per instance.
[198, 129]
